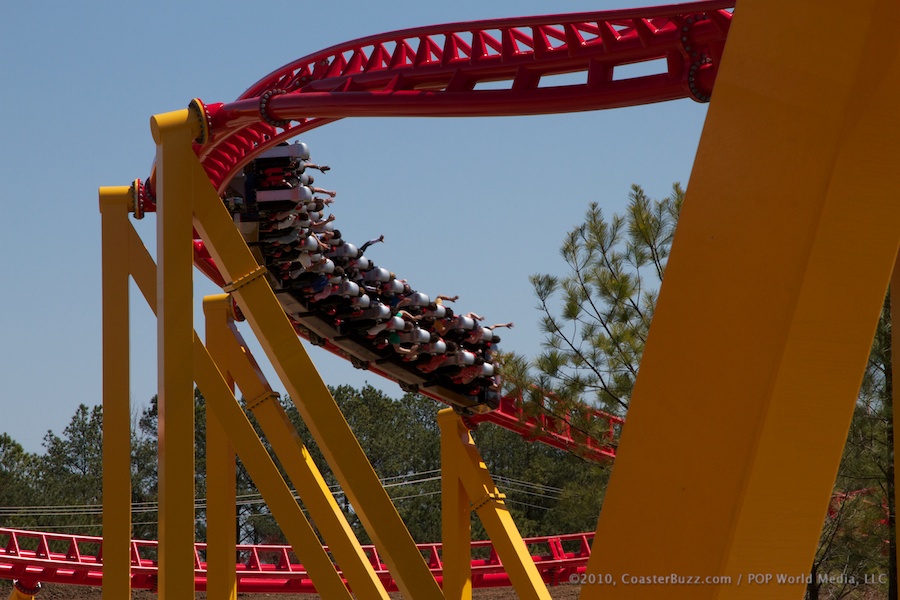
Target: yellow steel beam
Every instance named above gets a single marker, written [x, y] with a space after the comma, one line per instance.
[778, 270]
[221, 492]
[300, 468]
[268, 480]
[487, 501]
[310, 394]
[220, 402]
[279, 498]
[456, 519]
[20, 593]
[895, 388]
[142, 268]
[115, 205]
[174, 132]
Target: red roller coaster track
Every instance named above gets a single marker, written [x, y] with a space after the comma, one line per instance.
[486, 68]
[437, 70]
[31, 557]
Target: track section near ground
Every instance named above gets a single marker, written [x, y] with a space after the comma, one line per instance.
[75, 559]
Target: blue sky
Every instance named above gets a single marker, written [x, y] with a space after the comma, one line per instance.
[467, 206]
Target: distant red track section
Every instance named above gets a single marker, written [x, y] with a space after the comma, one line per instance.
[31, 557]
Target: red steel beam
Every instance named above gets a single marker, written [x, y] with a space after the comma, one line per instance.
[437, 70]
[30, 557]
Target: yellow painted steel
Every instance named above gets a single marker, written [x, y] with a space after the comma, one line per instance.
[268, 480]
[220, 403]
[17, 594]
[487, 501]
[895, 365]
[779, 267]
[221, 492]
[115, 205]
[456, 519]
[310, 394]
[173, 133]
[300, 468]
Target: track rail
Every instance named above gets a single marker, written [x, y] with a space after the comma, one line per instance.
[441, 70]
[483, 68]
[31, 557]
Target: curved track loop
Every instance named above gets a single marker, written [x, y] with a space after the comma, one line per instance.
[31, 557]
[442, 70]
[437, 70]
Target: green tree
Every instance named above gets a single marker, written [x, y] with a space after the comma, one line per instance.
[401, 440]
[71, 471]
[549, 491]
[18, 475]
[254, 521]
[859, 536]
[596, 317]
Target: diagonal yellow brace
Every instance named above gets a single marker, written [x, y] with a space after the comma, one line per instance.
[293, 455]
[311, 396]
[488, 503]
[279, 498]
[223, 406]
[764, 323]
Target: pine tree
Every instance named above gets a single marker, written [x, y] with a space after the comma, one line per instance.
[596, 318]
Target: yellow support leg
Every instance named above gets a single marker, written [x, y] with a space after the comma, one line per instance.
[221, 493]
[225, 409]
[296, 460]
[279, 498]
[487, 501]
[20, 592]
[895, 387]
[764, 323]
[456, 519]
[310, 394]
[173, 133]
[115, 205]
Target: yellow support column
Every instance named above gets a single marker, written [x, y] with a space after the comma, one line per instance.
[268, 480]
[20, 592]
[297, 462]
[895, 385]
[487, 501]
[456, 519]
[221, 493]
[764, 323]
[115, 205]
[310, 394]
[174, 132]
[222, 405]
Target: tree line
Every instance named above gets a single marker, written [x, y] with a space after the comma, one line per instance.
[548, 491]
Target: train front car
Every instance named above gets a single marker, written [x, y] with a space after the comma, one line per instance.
[338, 298]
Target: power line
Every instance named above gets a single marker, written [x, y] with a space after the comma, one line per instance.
[511, 486]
